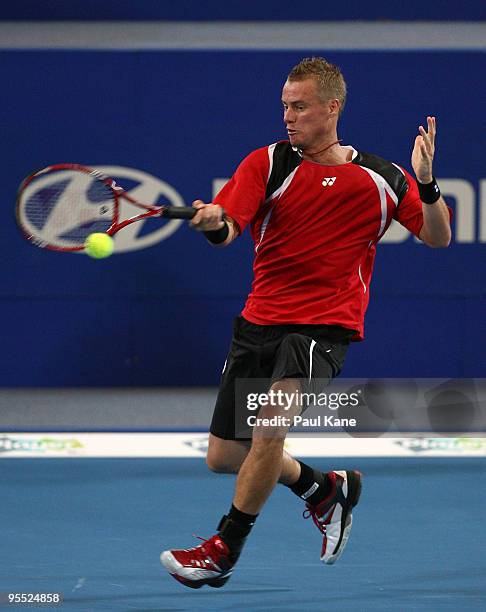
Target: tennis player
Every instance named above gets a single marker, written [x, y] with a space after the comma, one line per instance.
[316, 211]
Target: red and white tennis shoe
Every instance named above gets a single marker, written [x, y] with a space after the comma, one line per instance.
[207, 563]
[333, 516]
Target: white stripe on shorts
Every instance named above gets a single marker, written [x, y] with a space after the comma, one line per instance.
[311, 350]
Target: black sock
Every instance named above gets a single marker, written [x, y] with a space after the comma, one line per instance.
[234, 529]
[312, 485]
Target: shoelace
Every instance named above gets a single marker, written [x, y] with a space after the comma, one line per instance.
[310, 512]
[199, 546]
[201, 550]
[199, 538]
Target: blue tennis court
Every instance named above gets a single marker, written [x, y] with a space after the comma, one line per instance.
[93, 529]
[110, 368]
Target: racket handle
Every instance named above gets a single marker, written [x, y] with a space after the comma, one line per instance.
[179, 212]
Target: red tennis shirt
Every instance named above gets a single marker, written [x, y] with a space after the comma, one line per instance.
[315, 230]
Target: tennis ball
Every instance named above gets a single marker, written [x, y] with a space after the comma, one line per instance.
[98, 245]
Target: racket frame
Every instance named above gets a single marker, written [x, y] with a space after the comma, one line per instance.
[150, 210]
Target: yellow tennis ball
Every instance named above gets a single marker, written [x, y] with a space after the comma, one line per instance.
[98, 245]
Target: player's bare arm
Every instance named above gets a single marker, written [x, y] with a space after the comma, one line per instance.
[436, 230]
[209, 218]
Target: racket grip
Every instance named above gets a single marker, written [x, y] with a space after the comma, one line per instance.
[179, 212]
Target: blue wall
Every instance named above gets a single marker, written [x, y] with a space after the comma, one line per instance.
[161, 315]
[255, 10]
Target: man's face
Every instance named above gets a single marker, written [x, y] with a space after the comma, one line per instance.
[308, 119]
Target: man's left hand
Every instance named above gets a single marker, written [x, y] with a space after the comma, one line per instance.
[423, 152]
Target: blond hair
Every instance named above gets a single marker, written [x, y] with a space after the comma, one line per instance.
[330, 81]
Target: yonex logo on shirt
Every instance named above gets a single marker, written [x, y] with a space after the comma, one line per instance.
[329, 181]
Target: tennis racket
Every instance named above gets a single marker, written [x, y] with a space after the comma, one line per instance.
[58, 207]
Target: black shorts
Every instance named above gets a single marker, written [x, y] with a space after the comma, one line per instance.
[275, 352]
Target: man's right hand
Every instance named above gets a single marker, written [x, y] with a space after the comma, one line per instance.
[208, 218]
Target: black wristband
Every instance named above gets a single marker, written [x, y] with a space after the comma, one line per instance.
[218, 236]
[429, 192]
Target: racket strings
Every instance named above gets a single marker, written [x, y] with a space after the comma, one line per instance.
[62, 208]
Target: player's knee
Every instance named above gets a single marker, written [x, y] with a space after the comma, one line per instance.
[220, 464]
[216, 464]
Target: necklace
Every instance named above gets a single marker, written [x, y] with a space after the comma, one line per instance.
[328, 147]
